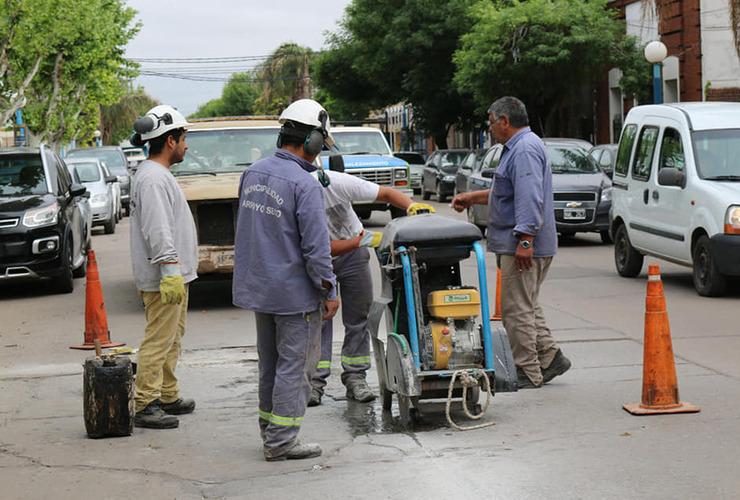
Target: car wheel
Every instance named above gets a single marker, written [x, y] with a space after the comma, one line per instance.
[81, 271]
[424, 193]
[110, 225]
[440, 196]
[65, 283]
[708, 281]
[606, 238]
[627, 259]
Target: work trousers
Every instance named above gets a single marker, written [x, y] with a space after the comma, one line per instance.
[532, 344]
[160, 350]
[356, 291]
[289, 347]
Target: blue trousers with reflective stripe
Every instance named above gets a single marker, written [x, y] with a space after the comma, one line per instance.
[289, 347]
[356, 293]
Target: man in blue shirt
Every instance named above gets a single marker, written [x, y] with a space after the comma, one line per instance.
[521, 231]
[283, 272]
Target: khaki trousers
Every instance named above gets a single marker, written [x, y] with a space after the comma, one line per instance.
[532, 344]
[160, 350]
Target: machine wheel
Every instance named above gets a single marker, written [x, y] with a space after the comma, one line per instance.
[440, 196]
[408, 413]
[386, 398]
[473, 394]
[627, 259]
[424, 193]
[707, 279]
[65, 283]
[606, 238]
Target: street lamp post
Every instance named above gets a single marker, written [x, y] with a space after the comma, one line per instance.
[656, 52]
[97, 138]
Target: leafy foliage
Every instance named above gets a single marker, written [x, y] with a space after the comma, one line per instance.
[543, 52]
[66, 58]
[116, 119]
[285, 76]
[237, 98]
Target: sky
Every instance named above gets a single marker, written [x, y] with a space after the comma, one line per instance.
[187, 29]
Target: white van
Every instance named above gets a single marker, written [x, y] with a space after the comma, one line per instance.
[676, 191]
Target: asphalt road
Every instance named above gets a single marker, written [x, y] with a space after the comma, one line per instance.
[570, 439]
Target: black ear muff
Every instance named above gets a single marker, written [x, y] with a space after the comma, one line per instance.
[280, 140]
[323, 177]
[314, 142]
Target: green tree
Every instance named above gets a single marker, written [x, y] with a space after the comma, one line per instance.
[545, 52]
[66, 58]
[237, 98]
[117, 119]
[400, 50]
[285, 77]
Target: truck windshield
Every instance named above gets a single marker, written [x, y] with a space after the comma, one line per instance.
[372, 142]
[717, 152]
[226, 150]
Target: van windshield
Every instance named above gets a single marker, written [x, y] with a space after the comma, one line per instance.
[717, 152]
[226, 151]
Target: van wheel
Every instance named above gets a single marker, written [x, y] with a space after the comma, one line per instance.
[707, 279]
[65, 282]
[627, 259]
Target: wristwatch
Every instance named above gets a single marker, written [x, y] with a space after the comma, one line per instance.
[525, 244]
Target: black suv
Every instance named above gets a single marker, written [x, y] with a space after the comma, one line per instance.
[115, 159]
[42, 231]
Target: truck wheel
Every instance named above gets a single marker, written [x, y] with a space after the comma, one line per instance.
[627, 259]
[707, 279]
[424, 193]
[440, 196]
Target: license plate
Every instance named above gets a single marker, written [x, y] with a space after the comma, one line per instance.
[225, 258]
[574, 213]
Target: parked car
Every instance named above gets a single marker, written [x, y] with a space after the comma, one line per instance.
[101, 185]
[42, 230]
[134, 156]
[478, 214]
[677, 191]
[606, 156]
[582, 191]
[115, 160]
[416, 167]
[439, 173]
[471, 163]
[85, 208]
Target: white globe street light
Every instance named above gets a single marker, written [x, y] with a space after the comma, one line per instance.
[656, 52]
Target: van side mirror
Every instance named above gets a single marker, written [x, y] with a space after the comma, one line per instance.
[671, 176]
[111, 178]
[487, 172]
[336, 163]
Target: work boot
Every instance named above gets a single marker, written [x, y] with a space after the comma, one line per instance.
[179, 407]
[153, 417]
[523, 381]
[298, 452]
[359, 390]
[315, 398]
[560, 364]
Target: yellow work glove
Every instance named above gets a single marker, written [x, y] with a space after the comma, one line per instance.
[172, 286]
[420, 208]
[370, 238]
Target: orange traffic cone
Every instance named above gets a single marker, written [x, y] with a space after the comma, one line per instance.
[659, 385]
[96, 323]
[497, 308]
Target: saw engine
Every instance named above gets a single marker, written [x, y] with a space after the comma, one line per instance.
[452, 338]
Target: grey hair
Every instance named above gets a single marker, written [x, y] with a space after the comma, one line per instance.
[511, 107]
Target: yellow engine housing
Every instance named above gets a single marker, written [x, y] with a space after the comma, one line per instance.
[442, 343]
[460, 303]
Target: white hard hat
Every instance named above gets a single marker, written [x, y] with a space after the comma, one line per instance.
[159, 120]
[311, 113]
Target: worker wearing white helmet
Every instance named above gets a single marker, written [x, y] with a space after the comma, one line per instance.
[283, 272]
[164, 255]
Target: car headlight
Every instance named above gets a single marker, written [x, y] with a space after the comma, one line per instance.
[99, 199]
[449, 178]
[732, 220]
[606, 194]
[45, 216]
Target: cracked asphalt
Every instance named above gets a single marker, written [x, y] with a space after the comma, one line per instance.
[570, 439]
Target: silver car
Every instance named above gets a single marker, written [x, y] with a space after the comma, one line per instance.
[101, 186]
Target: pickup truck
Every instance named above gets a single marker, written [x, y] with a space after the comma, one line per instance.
[366, 154]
